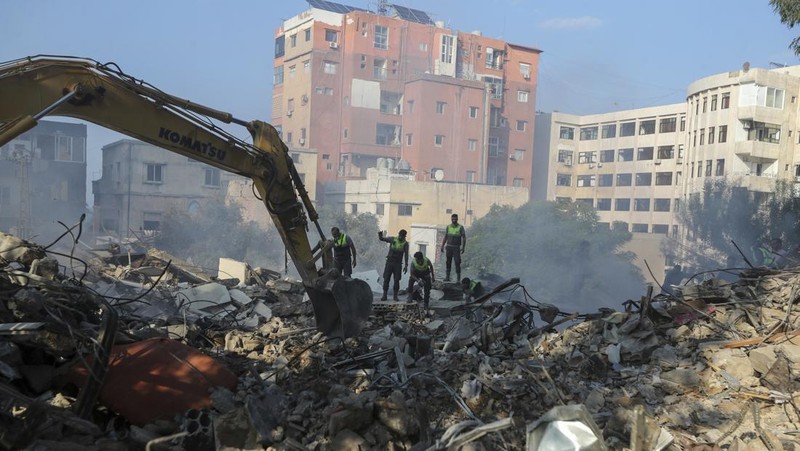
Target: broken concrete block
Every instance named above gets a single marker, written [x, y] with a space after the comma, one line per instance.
[347, 440]
[734, 361]
[762, 358]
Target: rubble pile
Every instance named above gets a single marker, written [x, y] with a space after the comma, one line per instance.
[140, 350]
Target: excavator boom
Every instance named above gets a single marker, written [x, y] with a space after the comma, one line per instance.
[38, 86]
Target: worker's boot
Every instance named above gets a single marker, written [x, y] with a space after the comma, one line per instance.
[447, 277]
[383, 298]
[458, 277]
[395, 298]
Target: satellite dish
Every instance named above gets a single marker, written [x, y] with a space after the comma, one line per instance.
[438, 175]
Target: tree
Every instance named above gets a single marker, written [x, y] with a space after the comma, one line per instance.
[724, 212]
[363, 229]
[789, 11]
[560, 251]
[218, 230]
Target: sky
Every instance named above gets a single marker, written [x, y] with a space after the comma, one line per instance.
[598, 55]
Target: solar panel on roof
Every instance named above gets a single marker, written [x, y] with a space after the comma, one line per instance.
[331, 6]
[412, 15]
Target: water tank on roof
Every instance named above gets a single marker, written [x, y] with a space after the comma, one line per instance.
[439, 24]
[381, 163]
[389, 164]
[403, 165]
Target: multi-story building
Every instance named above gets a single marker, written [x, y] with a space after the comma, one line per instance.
[141, 183]
[43, 179]
[357, 87]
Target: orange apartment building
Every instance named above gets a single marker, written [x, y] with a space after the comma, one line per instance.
[395, 89]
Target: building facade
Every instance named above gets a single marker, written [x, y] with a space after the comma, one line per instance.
[396, 89]
[141, 183]
[43, 179]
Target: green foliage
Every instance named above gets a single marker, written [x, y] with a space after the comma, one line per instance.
[789, 11]
[362, 228]
[724, 212]
[218, 230]
[559, 251]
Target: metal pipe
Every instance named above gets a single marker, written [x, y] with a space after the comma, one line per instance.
[56, 104]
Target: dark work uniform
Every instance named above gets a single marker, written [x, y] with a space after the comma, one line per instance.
[394, 263]
[421, 272]
[453, 249]
[342, 255]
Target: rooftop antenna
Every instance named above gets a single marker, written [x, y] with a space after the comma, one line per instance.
[777, 65]
[383, 7]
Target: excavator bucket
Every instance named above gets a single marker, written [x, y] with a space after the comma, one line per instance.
[342, 311]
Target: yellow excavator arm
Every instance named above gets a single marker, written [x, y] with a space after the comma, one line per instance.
[38, 86]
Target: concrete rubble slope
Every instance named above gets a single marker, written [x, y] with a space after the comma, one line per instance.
[231, 364]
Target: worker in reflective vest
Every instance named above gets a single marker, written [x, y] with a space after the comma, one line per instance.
[344, 252]
[454, 244]
[472, 289]
[421, 271]
[398, 253]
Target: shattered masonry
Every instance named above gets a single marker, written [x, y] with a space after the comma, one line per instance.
[118, 350]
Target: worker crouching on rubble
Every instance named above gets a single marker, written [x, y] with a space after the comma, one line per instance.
[472, 289]
[398, 252]
[422, 271]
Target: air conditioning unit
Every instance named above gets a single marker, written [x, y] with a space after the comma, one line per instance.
[747, 125]
[599, 165]
[591, 165]
[658, 162]
[526, 76]
[289, 113]
[512, 157]
[334, 44]
[679, 161]
[301, 141]
[567, 163]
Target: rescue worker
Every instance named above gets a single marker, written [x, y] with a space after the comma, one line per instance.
[344, 252]
[421, 270]
[472, 289]
[772, 254]
[398, 253]
[673, 277]
[454, 242]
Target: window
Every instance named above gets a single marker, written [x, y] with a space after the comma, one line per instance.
[666, 152]
[661, 204]
[289, 137]
[410, 106]
[563, 180]
[306, 66]
[725, 101]
[409, 139]
[683, 123]
[705, 102]
[586, 181]
[647, 127]
[644, 153]
[328, 91]
[585, 201]
[638, 228]
[151, 221]
[774, 98]
[381, 40]
[354, 209]
[155, 173]
[387, 135]
[446, 55]
[519, 155]
[565, 156]
[607, 156]
[494, 58]
[295, 157]
[404, 210]
[708, 168]
[212, 177]
[293, 40]
[714, 102]
[720, 167]
[567, 133]
[440, 107]
[280, 46]
[588, 133]
[604, 204]
[627, 129]
[470, 176]
[663, 178]
[495, 118]
[522, 96]
[680, 151]
[438, 140]
[292, 71]
[624, 179]
[622, 205]
[277, 76]
[525, 71]
[331, 35]
[667, 125]
[68, 148]
[608, 131]
[495, 86]
[379, 69]
[308, 34]
[521, 125]
[473, 112]
[644, 179]
[472, 145]
[587, 157]
[641, 204]
[711, 135]
[494, 146]
[516, 182]
[723, 134]
[625, 154]
[379, 209]
[760, 131]
[661, 229]
[605, 180]
[329, 67]
[699, 168]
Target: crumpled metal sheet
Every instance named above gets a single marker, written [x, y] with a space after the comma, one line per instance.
[565, 428]
[158, 378]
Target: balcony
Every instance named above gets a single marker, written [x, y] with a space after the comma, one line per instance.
[757, 149]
